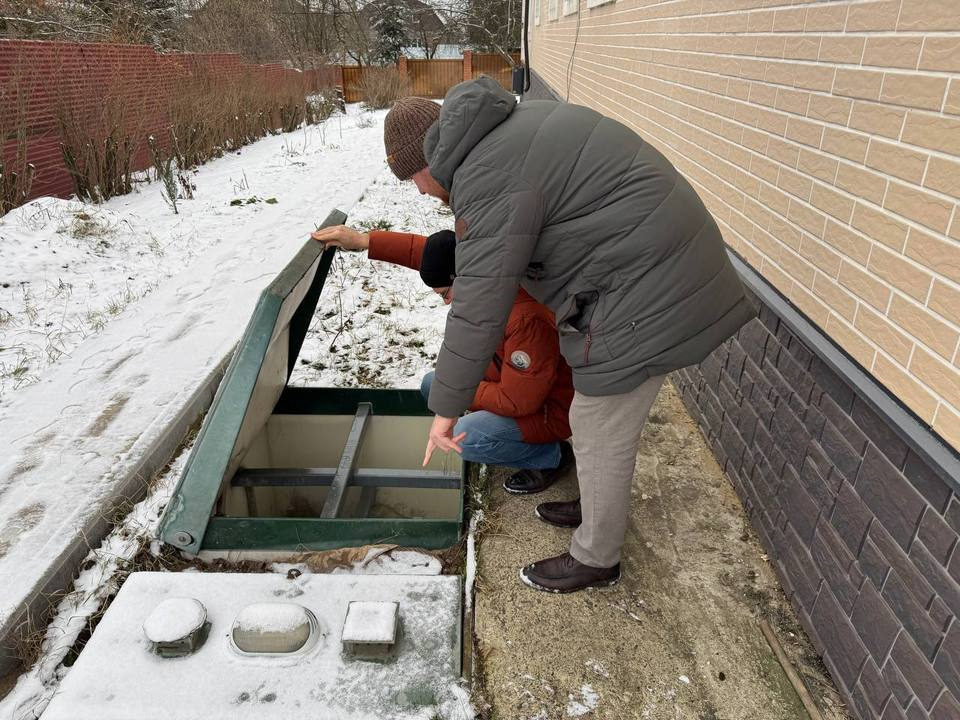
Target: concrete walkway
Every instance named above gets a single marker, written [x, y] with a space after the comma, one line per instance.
[677, 638]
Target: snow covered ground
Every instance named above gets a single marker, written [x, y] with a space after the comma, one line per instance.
[68, 268]
[113, 315]
[377, 325]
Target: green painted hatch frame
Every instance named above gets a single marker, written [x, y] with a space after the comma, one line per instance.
[189, 522]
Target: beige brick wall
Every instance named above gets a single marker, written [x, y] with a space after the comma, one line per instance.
[825, 138]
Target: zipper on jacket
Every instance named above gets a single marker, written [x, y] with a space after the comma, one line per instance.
[586, 348]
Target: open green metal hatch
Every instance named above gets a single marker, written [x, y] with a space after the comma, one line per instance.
[280, 468]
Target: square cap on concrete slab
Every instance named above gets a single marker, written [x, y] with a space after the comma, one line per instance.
[371, 622]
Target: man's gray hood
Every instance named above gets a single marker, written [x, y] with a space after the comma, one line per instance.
[470, 110]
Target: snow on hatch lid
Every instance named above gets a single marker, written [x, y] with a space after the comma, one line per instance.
[272, 617]
[371, 622]
[272, 627]
[174, 619]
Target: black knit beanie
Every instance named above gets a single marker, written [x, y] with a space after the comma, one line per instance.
[438, 265]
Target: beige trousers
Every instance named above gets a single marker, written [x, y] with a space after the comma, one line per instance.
[606, 435]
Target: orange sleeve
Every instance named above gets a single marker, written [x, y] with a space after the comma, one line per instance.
[398, 248]
[522, 391]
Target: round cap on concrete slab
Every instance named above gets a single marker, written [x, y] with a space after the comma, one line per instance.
[272, 628]
[174, 619]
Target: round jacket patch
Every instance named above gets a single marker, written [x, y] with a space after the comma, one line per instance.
[520, 360]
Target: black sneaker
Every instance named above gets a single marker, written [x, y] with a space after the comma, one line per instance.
[565, 574]
[565, 514]
[528, 482]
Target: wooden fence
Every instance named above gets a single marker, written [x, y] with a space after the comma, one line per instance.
[352, 76]
[496, 67]
[432, 78]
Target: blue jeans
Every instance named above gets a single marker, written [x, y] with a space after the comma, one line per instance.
[496, 440]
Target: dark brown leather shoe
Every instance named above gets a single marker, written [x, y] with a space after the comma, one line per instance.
[528, 482]
[562, 514]
[565, 574]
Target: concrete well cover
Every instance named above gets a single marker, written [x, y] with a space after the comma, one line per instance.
[117, 677]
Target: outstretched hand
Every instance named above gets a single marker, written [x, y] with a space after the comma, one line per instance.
[342, 237]
[442, 437]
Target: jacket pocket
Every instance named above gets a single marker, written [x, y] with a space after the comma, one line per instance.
[577, 312]
[575, 325]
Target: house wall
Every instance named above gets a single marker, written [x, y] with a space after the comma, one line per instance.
[824, 138]
[859, 518]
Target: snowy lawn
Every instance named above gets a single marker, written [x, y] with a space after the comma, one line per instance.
[68, 268]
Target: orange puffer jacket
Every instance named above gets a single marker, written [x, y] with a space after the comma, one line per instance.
[527, 379]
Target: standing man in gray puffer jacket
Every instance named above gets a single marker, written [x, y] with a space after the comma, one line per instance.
[595, 223]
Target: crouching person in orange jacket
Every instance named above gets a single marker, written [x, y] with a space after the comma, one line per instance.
[519, 415]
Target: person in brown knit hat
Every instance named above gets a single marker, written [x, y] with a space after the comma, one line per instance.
[403, 131]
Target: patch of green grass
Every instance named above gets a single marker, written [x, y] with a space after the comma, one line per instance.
[95, 320]
[375, 224]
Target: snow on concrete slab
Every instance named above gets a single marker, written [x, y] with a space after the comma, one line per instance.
[217, 683]
[273, 627]
[111, 410]
[271, 617]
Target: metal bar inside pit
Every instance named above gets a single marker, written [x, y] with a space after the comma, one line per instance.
[322, 477]
[348, 462]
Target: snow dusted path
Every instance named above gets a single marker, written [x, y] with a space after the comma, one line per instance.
[106, 415]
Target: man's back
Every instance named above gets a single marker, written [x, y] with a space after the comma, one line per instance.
[592, 221]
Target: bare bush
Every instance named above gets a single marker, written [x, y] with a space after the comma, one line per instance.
[210, 115]
[101, 108]
[100, 140]
[16, 174]
[380, 88]
[322, 104]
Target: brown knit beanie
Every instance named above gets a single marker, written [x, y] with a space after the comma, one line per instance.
[403, 132]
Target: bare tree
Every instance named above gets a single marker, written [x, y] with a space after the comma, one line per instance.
[486, 25]
[426, 29]
[245, 27]
[299, 33]
[145, 21]
[352, 29]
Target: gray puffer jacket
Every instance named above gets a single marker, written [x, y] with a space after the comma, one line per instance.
[593, 222]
